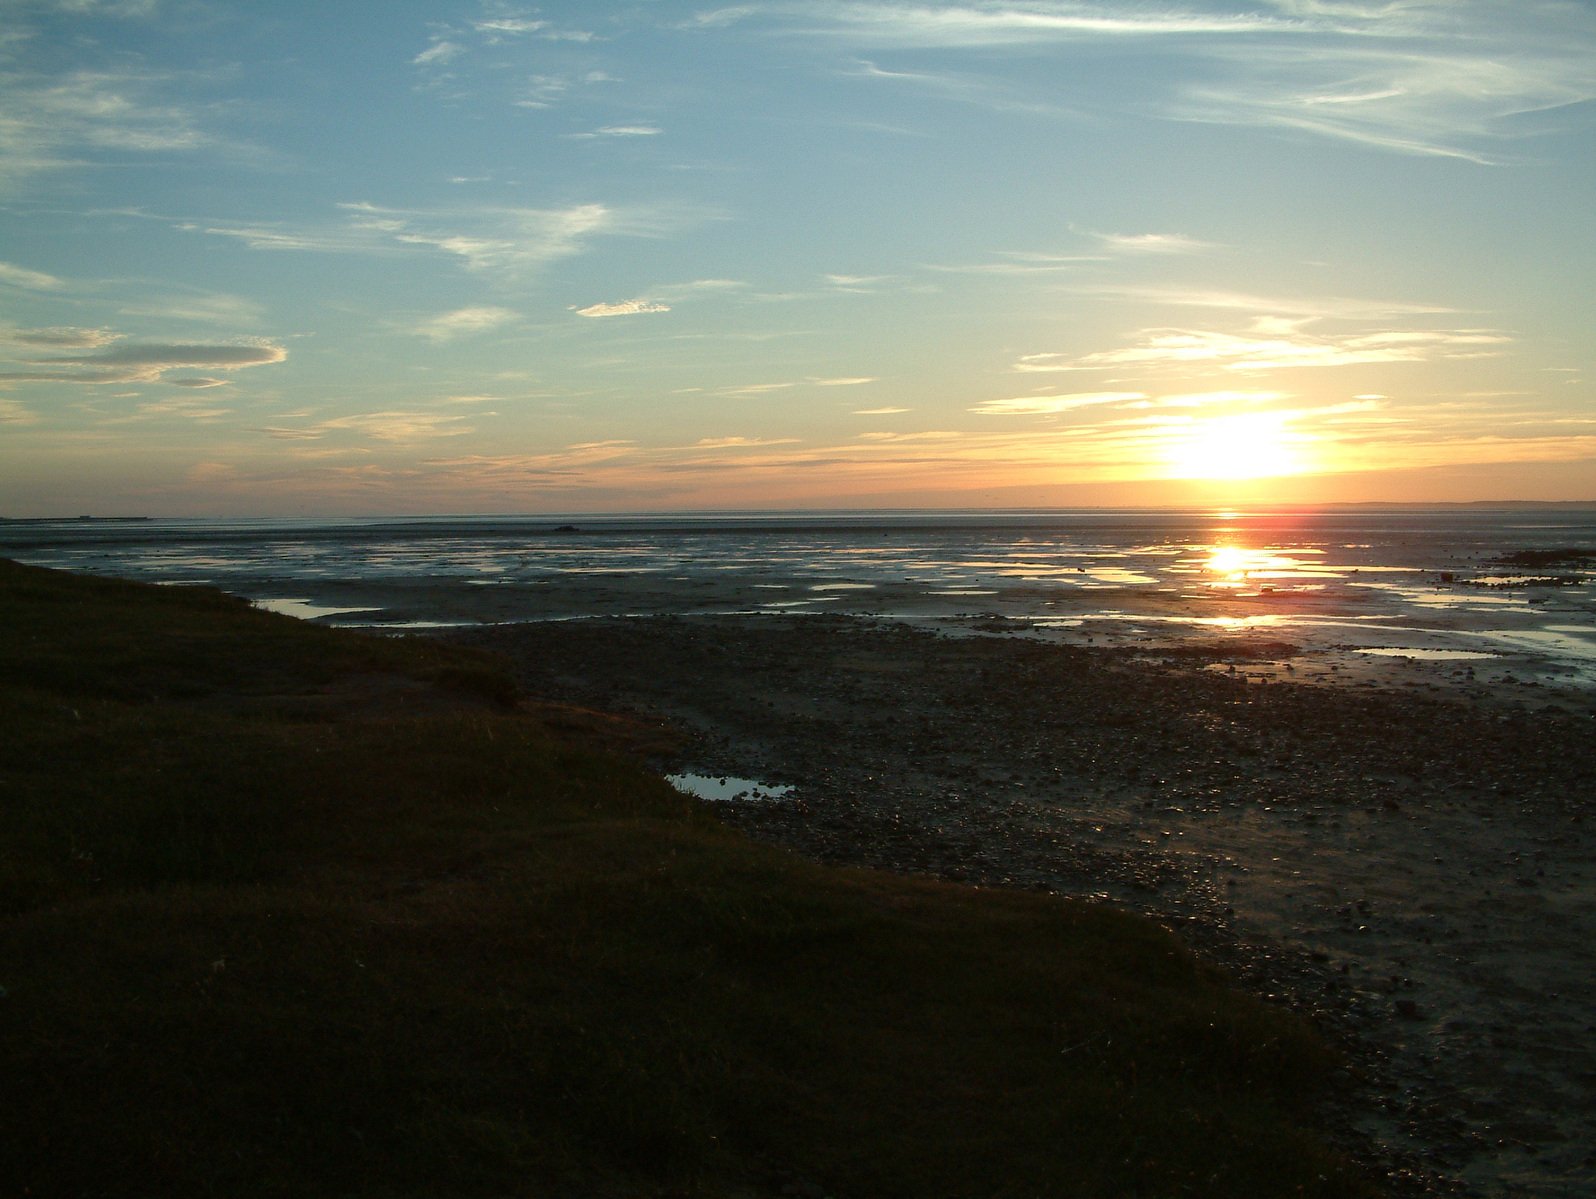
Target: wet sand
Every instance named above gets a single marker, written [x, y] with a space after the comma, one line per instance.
[1404, 855]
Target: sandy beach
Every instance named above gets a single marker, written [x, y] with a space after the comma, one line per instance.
[1403, 854]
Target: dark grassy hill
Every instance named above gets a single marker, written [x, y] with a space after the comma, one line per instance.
[293, 911]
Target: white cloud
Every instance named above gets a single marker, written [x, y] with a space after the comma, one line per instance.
[463, 322]
[857, 283]
[1151, 243]
[880, 411]
[1276, 347]
[1424, 78]
[1434, 79]
[1050, 405]
[676, 292]
[623, 308]
[502, 241]
[52, 122]
[441, 51]
[973, 26]
[738, 443]
[611, 131]
[542, 91]
[511, 25]
[397, 426]
[755, 389]
[400, 426]
[1022, 262]
[275, 237]
[20, 276]
[507, 243]
[187, 408]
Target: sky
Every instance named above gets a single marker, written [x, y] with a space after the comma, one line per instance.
[475, 256]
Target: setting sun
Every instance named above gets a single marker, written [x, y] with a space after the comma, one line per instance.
[1251, 445]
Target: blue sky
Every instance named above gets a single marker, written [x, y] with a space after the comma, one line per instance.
[362, 258]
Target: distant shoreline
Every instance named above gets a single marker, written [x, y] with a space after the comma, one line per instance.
[787, 514]
[57, 520]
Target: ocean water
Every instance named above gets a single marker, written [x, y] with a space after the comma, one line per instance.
[1408, 586]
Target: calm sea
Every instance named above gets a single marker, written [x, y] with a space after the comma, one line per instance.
[1437, 584]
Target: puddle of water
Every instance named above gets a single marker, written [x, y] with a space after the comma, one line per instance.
[414, 624]
[725, 789]
[305, 609]
[1517, 581]
[1434, 655]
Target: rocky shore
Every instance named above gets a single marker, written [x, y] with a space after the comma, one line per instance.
[1412, 871]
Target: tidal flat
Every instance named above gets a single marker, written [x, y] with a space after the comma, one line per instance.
[1409, 865]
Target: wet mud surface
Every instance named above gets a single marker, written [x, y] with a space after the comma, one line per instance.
[1411, 871]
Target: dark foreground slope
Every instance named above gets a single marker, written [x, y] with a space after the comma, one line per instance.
[291, 911]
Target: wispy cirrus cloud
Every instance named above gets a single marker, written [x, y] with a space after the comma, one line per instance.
[52, 120]
[1052, 405]
[982, 25]
[742, 443]
[1430, 79]
[616, 131]
[391, 426]
[490, 43]
[441, 51]
[661, 298]
[464, 322]
[502, 241]
[1151, 243]
[12, 275]
[506, 243]
[1299, 307]
[1281, 346]
[1412, 78]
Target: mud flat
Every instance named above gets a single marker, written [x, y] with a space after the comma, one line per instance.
[1409, 864]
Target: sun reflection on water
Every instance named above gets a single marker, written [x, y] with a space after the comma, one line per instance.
[1238, 565]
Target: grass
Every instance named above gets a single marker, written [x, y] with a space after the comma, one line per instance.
[292, 911]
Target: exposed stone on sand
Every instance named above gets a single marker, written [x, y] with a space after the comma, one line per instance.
[1412, 871]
